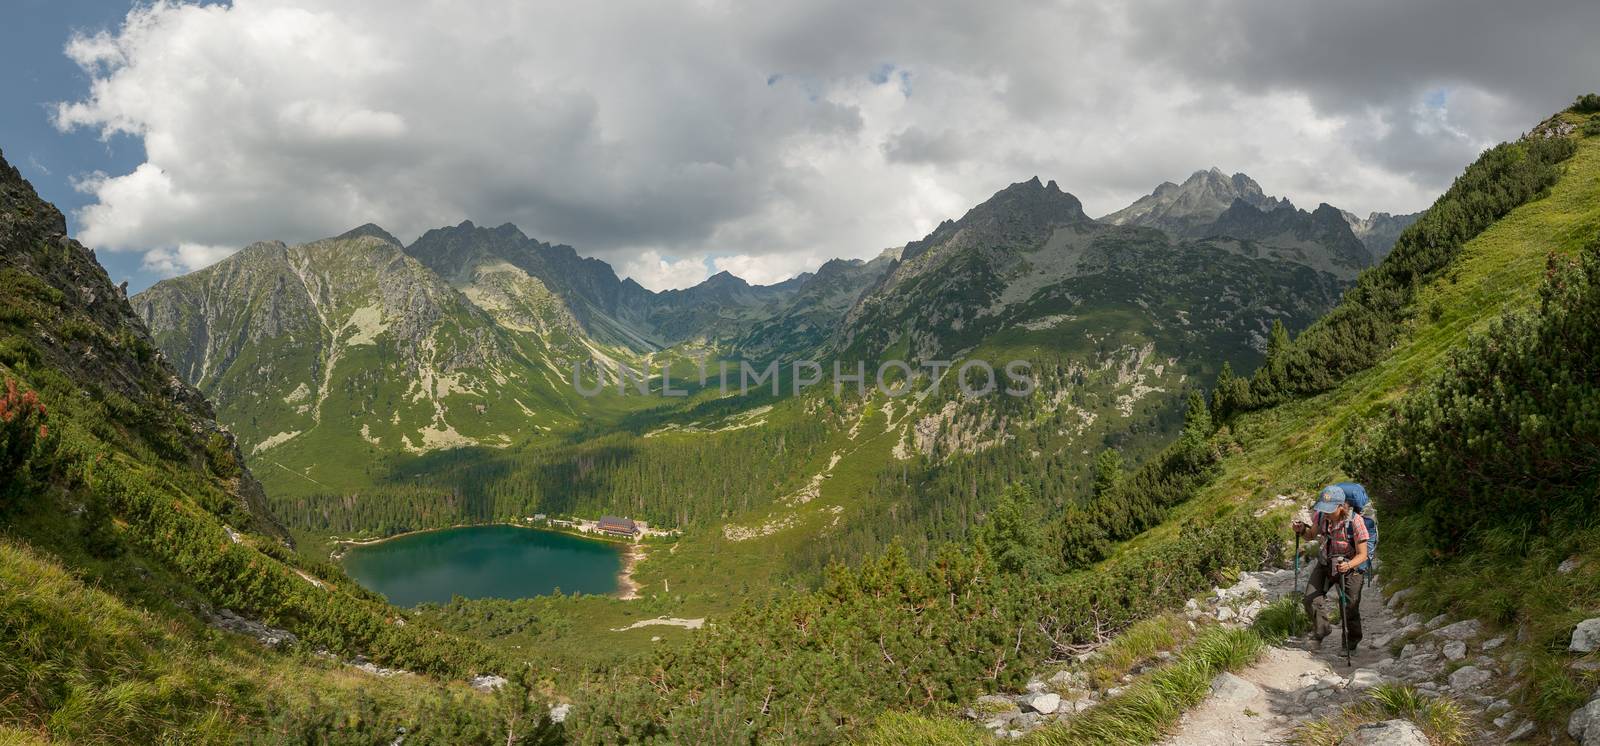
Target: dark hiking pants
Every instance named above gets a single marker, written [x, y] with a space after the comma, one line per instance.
[1323, 584]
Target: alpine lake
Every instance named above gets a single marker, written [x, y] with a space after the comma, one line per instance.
[484, 562]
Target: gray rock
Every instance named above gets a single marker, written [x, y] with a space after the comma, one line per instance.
[1569, 564]
[1521, 732]
[558, 714]
[1386, 733]
[1386, 640]
[1584, 724]
[1399, 597]
[1230, 688]
[1506, 720]
[1455, 650]
[271, 637]
[1044, 704]
[1586, 637]
[1465, 629]
[1410, 619]
[1493, 643]
[1498, 706]
[1035, 685]
[1363, 679]
[1437, 621]
[1224, 614]
[1468, 678]
[488, 682]
[1025, 721]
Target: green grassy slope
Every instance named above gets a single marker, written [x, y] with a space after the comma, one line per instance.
[126, 521]
[1297, 446]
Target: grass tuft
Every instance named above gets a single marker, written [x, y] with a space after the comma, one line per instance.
[1149, 707]
[1441, 719]
[904, 729]
[1282, 619]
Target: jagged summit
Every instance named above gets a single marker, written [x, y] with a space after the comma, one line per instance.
[1379, 230]
[1320, 239]
[369, 229]
[1180, 209]
[1018, 213]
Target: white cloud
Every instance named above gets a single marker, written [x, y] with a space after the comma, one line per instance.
[656, 272]
[767, 137]
[767, 270]
[185, 257]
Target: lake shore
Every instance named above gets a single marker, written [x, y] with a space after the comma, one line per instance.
[627, 587]
[632, 554]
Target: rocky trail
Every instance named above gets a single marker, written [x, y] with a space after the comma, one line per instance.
[1298, 681]
[1290, 683]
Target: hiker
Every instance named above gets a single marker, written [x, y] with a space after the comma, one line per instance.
[1341, 560]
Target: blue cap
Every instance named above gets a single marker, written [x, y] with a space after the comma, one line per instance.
[1331, 498]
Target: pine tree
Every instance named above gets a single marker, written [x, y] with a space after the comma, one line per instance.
[1107, 471]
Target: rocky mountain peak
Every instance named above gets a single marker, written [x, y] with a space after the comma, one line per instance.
[1021, 213]
[369, 229]
[1320, 239]
[1379, 230]
[1180, 209]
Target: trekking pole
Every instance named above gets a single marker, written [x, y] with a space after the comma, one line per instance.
[1344, 620]
[1297, 563]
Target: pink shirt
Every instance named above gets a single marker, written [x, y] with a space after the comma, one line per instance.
[1344, 538]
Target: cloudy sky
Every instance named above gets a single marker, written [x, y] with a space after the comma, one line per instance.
[676, 139]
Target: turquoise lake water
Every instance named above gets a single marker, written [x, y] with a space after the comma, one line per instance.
[484, 562]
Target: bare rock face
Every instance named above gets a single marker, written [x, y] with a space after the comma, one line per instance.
[1180, 209]
[87, 331]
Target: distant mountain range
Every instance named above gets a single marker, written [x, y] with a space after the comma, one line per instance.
[362, 346]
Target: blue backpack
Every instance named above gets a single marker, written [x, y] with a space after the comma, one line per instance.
[1356, 497]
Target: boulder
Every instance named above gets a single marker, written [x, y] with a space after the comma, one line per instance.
[1230, 688]
[1493, 643]
[1224, 614]
[1399, 597]
[1044, 704]
[1465, 629]
[1437, 621]
[1411, 619]
[1386, 733]
[1586, 637]
[1584, 725]
[558, 714]
[1468, 678]
[1455, 650]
